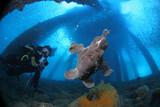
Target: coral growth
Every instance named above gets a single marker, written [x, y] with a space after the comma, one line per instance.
[103, 95]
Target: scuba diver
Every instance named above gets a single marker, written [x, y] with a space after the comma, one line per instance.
[31, 59]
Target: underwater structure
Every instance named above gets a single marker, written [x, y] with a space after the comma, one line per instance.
[132, 53]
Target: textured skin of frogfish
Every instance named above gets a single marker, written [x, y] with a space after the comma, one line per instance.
[89, 59]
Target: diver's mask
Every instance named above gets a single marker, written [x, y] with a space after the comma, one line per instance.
[46, 52]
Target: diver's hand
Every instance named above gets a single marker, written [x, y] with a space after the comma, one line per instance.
[41, 67]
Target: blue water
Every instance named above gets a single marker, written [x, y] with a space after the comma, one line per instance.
[127, 20]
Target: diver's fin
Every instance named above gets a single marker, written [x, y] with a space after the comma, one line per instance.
[88, 83]
[72, 74]
[108, 72]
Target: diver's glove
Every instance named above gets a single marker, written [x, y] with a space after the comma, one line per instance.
[42, 65]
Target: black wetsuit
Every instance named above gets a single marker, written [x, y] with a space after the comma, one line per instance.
[27, 61]
[34, 65]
